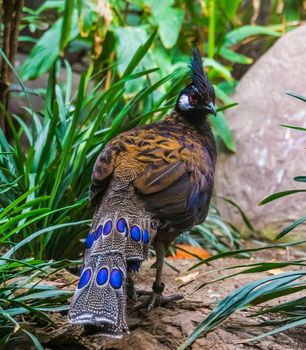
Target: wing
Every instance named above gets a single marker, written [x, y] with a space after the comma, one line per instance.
[178, 180]
[175, 173]
[104, 168]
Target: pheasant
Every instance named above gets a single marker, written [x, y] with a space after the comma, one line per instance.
[149, 185]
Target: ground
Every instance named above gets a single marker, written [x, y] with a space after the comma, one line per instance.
[165, 328]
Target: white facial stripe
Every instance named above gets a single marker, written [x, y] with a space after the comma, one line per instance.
[184, 103]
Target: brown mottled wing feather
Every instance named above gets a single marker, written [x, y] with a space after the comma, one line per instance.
[159, 176]
[178, 188]
[103, 169]
[175, 177]
[178, 180]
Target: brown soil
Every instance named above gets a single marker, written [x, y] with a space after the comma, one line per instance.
[165, 328]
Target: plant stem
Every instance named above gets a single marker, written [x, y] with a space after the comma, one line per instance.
[12, 10]
[211, 28]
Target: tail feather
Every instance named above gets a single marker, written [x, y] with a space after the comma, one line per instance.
[100, 297]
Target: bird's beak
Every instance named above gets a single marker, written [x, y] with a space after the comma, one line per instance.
[211, 108]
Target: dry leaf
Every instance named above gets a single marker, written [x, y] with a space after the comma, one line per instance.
[16, 328]
[187, 278]
[275, 271]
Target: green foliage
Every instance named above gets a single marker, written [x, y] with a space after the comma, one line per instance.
[256, 293]
[23, 290]
[214, 234]
[47, 49]
[120, 27]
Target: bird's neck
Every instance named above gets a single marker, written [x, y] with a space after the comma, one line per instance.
[199, 123]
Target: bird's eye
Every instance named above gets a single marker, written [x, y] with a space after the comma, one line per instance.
[193, 98]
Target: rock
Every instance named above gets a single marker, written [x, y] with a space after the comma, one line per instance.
[268, 155]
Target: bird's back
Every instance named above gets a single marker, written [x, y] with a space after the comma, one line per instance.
[167, 166]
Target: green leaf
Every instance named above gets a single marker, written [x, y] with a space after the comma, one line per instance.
[240, 299]
[129, 39]
[43, 295]
[237, 35]
[230, 105]
[293, 127]
[47, 49]
[35, 341]
[242, 251]
[31, 309]
[233, 56]
[300, 178]
[4, 57]
[290, 227]
[220, 125]
[28, 239]
[292, 10]
[220, 68]
[67, 24]
[241, 212]
[169, 25]
[299, 97]
[137, 57]
[287, 326]
[230, 7]
[223, 96]
[20, 217]
[279, 195]
[17, 201]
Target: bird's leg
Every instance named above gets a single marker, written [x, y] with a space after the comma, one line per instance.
[156, 298]
[130, 286]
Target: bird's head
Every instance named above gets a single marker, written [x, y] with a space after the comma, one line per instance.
[198, 98]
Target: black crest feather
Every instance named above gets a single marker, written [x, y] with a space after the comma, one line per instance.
[198, 76]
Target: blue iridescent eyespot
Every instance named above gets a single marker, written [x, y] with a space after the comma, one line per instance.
[84, 278]
[122, 226]
[135, 233]
[90, 239]
[98, 232]
[115, 279]
[102, 276]
[107, 227]
[145, 236]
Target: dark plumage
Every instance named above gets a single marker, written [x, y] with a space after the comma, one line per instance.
[149, 184]
[199, 78]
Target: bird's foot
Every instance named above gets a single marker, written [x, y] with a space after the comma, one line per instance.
[131, 292]
[156, 298]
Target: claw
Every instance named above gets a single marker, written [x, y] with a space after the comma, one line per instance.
[131, 291]
[131, 294]
[156, 297]
[156, 300]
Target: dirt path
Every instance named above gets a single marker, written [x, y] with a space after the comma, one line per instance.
[165, 328]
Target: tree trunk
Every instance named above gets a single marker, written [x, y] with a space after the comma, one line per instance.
[12, 10]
